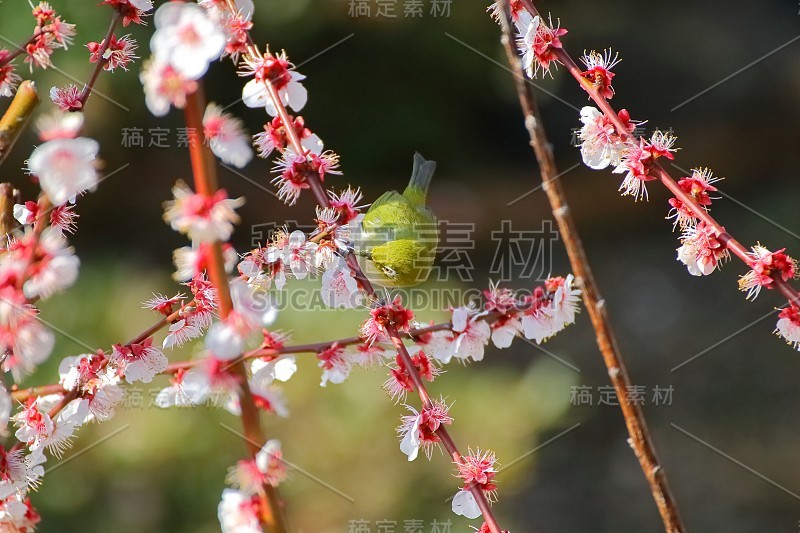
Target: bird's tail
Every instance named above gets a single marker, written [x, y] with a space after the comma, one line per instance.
[421, 177]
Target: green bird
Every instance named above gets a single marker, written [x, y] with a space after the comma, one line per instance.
[398, 237]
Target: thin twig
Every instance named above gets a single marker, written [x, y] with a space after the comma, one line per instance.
[640, 439]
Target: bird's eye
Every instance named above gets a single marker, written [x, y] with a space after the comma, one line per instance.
[389, 272]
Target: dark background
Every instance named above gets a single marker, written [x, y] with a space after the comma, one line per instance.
[400, 85]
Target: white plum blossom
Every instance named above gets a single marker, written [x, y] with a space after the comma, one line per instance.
[339, 287]
[139, 362]
[788, 326]
[186, 38]
[238, 512]
[600, 144]
[226, 137]
[37, 430]
[505, 330]
[181, 332]
[65, 167]
[274, 69]
[56, 271]
[252, 310]
[409, 431]
[546, 318]
[467, 339]
[204, 219]
[265, 372]
[164, 86]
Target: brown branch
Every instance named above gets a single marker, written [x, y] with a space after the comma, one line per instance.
[640, 439]
[17, 116]
[206, 183]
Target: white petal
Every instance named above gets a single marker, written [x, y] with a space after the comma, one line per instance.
[464, 504]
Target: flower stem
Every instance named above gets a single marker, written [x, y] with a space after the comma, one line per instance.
[205, 178]
[17, 116]
[640, 439]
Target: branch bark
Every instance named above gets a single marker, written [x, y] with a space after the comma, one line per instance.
[640, 439]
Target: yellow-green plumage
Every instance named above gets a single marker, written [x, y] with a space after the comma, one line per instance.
[399, 234]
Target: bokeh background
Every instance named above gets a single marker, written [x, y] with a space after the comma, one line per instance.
[399, 85]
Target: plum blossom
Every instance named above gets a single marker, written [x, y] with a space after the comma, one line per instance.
[96, 384]
[238, 512]
[67, 98]
[164, 86]
[8, 78]
[637, 161]
[131, 10]
[551, 309]
[204, 219]
[294, 172]
[519, 14]
[18, 515]
[139, 362]
[174, 395]
[59, 125]
[335, 365]
[466, 340]
[475, 469]
[268, 468]
[384, 315]
[418, 430]
[226, 137]
[265, 372]
[186, 38]
[120, 53]
[701, 251]
[37, 430]
[400, 382]
[765, 267]
[65, 167]
[600, 143]
[235, 25]
[277, 71]
[698, 186]
[598, 71]
[788, 326]
[25, 340]
[56, 270]
[339, 287]
[209, 379]
[251, 311]
[538, 44]
[275, 137]
[269, 399]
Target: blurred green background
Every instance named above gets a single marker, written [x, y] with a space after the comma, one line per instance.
[399, 85]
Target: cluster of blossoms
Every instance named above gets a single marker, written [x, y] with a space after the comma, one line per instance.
[608, 140]
[50, 34]
[187, 39]
[240, 355]
[110, 54]
[36, 262]
[240, 510]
